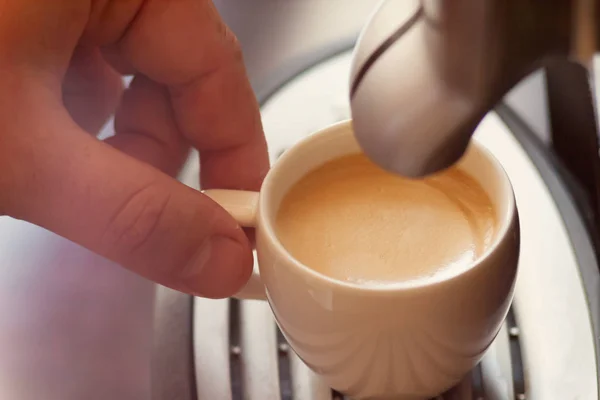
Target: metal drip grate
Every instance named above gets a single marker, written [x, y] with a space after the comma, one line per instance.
[260, 364]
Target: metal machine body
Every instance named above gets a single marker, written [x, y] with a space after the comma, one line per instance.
[458, 59]
[236, 351]
[547, 349]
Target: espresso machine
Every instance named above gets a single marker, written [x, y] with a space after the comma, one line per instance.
[544, 132]
[74, 326]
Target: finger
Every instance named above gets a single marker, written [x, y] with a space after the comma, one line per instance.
[214, 105]
[95, 195]
[91, 89]
[112, 56]
[40, 35]
[221, 118]
[145, 127]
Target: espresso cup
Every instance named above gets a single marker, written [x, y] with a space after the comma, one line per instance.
[407, 340]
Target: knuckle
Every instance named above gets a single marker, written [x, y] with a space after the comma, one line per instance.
[136, 222]
[226, 47]
[235, 47]
[108, 20]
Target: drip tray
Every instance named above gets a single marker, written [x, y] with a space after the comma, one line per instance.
[245, 356]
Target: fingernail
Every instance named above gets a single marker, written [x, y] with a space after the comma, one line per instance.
[218, 269]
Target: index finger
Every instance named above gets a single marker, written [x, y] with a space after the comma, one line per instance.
[186, 46]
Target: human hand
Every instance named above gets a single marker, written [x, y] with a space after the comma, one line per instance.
[118, 197]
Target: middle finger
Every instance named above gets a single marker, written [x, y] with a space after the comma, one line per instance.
[91, 89]
[145, 127]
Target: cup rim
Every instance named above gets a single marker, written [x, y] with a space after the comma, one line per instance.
[422, 282]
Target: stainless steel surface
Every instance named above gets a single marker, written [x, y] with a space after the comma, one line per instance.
[455, 59]
[530, 99]
[555, 330]
[282, 38]
[575, 134]
[566, 201]
[172, 353]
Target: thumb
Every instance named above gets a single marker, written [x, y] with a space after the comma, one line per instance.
[123, 209]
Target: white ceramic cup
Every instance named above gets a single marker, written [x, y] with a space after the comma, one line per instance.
[410, 340]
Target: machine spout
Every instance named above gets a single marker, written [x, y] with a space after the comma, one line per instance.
[426, 72]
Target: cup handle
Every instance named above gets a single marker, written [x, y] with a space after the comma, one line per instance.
[242, 205]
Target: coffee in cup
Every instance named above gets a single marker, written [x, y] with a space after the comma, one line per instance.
[350, 220]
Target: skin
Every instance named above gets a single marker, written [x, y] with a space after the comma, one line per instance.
[60, 75]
